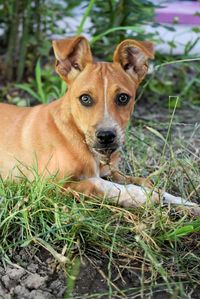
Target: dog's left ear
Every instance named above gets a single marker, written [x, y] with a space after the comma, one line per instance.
[133, 57]
[72, 55]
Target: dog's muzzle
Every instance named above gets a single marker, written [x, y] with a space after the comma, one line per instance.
[106, 142]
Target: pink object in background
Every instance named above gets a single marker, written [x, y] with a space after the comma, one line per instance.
[181, 12]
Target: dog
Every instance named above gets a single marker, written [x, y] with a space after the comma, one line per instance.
[80, 134]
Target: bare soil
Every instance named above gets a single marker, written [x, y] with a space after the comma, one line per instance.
[34, 274]
[31, 275]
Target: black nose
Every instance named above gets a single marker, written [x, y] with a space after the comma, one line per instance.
[105, 137]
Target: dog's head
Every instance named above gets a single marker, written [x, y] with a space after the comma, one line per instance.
[102, 94]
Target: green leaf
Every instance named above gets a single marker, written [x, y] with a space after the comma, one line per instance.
[26, 243]
[178, 233]
[125, 28]
[38, 76]
[26, 88]
[63, 88]
[155, 132]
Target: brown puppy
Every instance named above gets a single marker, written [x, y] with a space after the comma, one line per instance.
[78, 136]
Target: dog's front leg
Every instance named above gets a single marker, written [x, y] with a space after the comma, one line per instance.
[124, 195]
[120, 178]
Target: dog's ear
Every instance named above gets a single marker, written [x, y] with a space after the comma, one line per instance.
[72, 55]
[133, 57]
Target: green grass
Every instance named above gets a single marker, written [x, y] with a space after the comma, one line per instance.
[163, 241]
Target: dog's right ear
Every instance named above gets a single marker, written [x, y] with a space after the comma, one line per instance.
[72, 55]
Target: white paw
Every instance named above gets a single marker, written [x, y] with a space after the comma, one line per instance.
[169, 198]
[134, 196]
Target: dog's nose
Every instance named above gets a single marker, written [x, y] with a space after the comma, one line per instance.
[105, 137]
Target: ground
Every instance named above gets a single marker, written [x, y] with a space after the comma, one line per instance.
[138, 259]
[41, 278]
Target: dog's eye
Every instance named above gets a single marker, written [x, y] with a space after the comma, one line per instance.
[122, 99]
[86, 100]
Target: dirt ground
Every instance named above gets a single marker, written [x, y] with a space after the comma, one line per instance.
[186, 121]
[33, 273]
[32, 276]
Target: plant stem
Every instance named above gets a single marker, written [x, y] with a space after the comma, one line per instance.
[176, 61]
[86, 14]
[24, 41]
[12, 39]
[125, 28]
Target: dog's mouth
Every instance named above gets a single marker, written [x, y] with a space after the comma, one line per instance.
[105, 150]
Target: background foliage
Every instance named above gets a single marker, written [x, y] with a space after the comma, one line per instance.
[27, 28]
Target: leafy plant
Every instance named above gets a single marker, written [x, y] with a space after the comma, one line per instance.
[45, 86]
[118, 19]
[177, 79]
[27, 26]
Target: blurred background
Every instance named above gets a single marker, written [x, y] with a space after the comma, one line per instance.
[27, 28]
